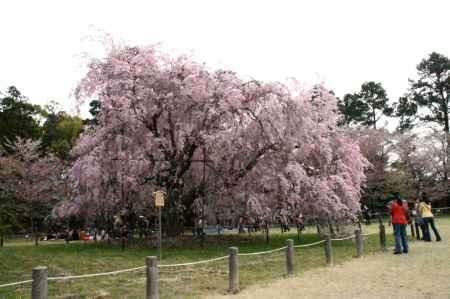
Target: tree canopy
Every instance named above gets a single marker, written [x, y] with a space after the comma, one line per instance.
[271, 149]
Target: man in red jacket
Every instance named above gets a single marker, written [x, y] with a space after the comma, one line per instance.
[399, 221]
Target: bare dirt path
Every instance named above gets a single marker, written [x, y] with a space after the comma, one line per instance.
[423, 273]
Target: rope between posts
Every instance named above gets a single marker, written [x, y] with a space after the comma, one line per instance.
[171, 265]
[443, 208]
[96, 274]
[262, 252]
[342, 239]
[307, 245]
[15, 283]
[375, 233]
[194, 263]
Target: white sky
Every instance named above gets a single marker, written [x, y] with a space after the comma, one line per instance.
[343, 43]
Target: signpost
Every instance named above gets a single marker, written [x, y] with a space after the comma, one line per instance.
[159, 203]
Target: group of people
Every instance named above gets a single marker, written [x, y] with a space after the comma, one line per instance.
[423, 218]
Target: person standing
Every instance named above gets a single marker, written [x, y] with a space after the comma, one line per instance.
[418, 220]
[399, 221]
[428, 218]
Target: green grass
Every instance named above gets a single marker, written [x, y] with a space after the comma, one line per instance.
[18, 258]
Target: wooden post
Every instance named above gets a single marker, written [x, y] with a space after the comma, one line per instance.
[39, 289]
[290, 257]
[152, 277]
[382, 238]
[233, 270]
[359, 243]
[328, 251]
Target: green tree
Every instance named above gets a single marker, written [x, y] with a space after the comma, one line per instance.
[428, 98]
[60, 131]
[352, 109]
[94, 110]
[18, 118]
[366, 107]
[431, 92]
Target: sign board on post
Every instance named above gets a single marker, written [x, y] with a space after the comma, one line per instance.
[159, 198]
[159, 203]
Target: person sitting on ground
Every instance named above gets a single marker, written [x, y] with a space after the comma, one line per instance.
[428, 218]
[399, 221]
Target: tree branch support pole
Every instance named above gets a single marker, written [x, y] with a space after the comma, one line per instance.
[233, 270]
[359, 243]
[382, 237]
[152, 277]
[290, 257]
[202, 244]
[328, 251]
[39, 289]
[122, 242]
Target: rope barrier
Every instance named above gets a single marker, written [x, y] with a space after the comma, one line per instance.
[342, 239]
[193, 263]
[375, 233]
[262, 252]
[444, 208]
[96, 274]
[15, 283]
[311, 244]
[171, 265]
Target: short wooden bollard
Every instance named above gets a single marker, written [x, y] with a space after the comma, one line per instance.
[328, 251]
[39, 288]
[382, 238]
[152, 277]
[290, 257]
[359, 243]
[234, 270]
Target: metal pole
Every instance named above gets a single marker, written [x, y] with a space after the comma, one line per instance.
[160, 234]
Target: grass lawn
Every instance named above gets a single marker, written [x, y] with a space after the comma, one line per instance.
[18, 258]
[379, 275]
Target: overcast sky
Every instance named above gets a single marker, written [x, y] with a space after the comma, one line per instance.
[342, 43]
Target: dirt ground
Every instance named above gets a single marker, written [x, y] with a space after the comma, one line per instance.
[423, 273]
